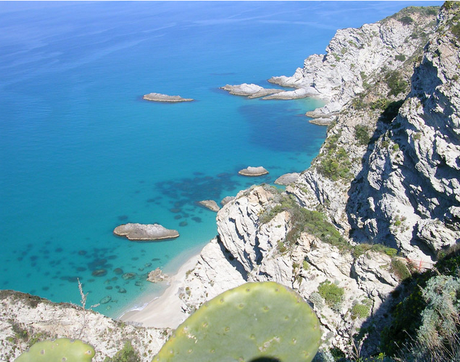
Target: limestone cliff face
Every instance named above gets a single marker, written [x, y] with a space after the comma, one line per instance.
[355, 58]
[253, 247]
[401, 188]
[418, 175]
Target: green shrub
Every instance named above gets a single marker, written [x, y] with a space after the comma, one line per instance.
[425, 318]
[456, 30]
[362, 134]
[399, 268]
[396, 83]
[381, 103]
[400, 57]
[360, 249]
[438, 336]
[406, 20]
[127, 354]
[334, 163]
[303, 220]
[360, 311]
[281, 247]
[331, 293]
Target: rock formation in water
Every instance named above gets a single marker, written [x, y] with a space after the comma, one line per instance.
[250, 90]
[145, 232]
[158, 97]
[253, 171]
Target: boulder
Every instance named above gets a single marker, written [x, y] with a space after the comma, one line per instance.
[253, 171]
[145, 232]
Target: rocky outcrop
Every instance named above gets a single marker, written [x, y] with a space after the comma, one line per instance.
[25, 318]
[158, 97]
[226, 200]
[253, 171]
[145, 232]
[249, 90]
[210, 204]
[287, 178]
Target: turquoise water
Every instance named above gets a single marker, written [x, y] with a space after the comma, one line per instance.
[81, 152]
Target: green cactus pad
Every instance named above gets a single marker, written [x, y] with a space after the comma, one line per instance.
[59, 350]
[256, 321]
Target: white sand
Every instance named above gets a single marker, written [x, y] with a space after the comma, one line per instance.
[165, 311]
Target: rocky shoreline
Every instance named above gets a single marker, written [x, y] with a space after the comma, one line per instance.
[377, 188]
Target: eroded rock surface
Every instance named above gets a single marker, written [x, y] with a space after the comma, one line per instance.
[145, 232]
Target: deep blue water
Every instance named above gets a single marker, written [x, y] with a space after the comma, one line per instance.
[81, 152]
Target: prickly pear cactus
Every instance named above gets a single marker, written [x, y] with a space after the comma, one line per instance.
[256, 321]
[59, 350]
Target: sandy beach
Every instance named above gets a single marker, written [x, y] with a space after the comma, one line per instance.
[164, 311]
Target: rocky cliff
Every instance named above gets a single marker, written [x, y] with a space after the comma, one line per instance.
[385, 181]
[355, 58]
[388, 172]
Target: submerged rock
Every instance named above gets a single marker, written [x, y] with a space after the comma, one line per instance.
[210, 204]
[128, 276]
[105, 300]
[145, 232]
[99, 272]
[156, 276]
[158, 97]
[253, 171]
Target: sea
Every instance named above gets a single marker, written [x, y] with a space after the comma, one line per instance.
[81, 152]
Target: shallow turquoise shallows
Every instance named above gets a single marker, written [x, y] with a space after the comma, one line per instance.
[81, 152]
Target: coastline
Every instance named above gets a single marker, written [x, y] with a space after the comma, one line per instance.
[165, 310]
